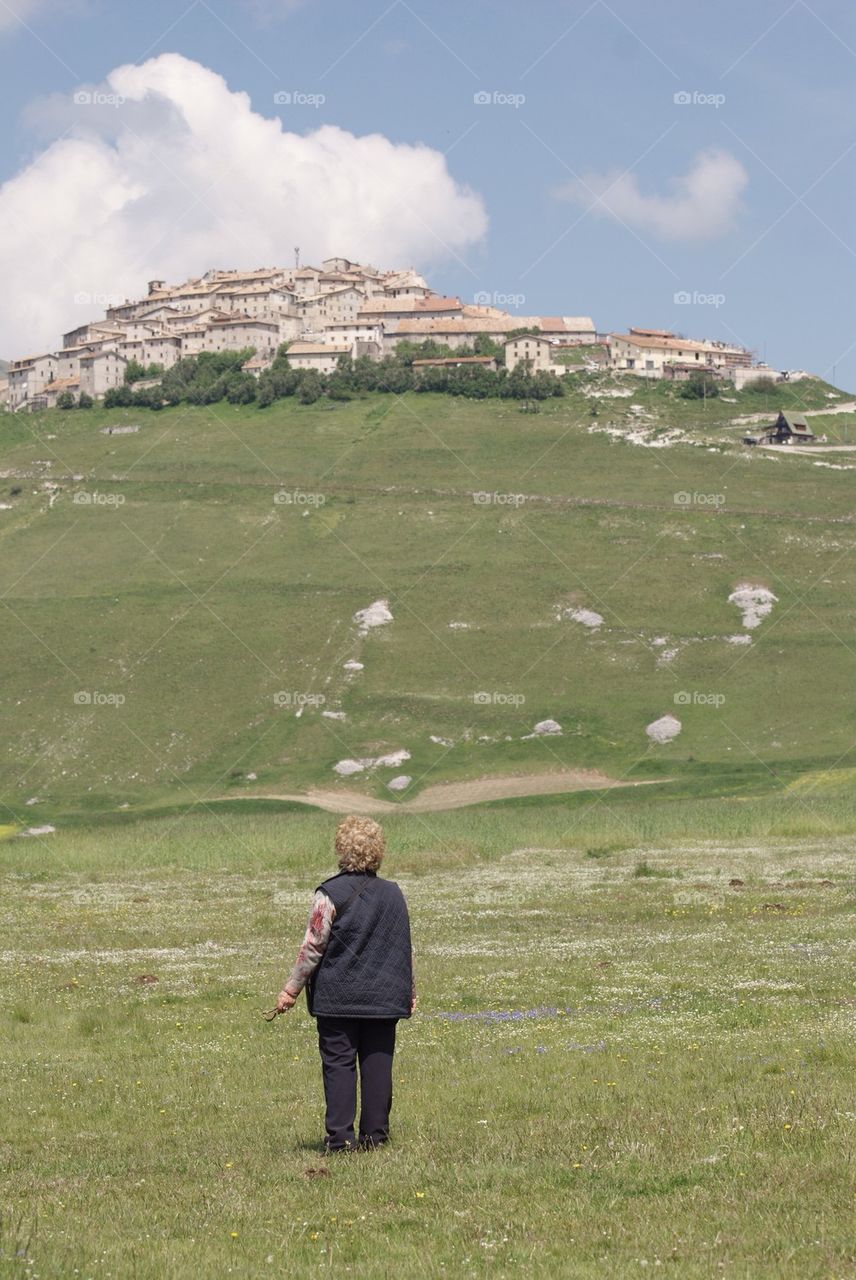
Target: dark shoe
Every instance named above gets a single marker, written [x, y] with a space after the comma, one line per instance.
[372, 1144]
[347, 1149]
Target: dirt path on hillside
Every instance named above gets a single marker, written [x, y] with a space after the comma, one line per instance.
[744, 418]
[457, 795]
[797, 449]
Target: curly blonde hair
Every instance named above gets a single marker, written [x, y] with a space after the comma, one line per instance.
[360, 845]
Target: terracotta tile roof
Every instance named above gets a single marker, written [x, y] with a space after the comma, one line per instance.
[420, 364]
[232, 321]
[415, 306]
[17, 364]
[243, 289]
[102, 355]
[62, 384]
[454, 325]
[566, 324]
[660, 344]
[318, 348]
[87, 346]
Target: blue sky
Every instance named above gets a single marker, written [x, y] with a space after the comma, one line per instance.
[575, 157]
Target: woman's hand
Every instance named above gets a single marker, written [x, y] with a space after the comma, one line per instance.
[285, 1001]
[413, 1003]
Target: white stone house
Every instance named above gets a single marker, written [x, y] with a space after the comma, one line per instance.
[93, 331]
[454, 333]
[530, 350]
[101, 370]
[567, 328]
[353, 331]
[234, 333]
[259, 302]
[48, 397]
[165, 350]
[646, 352]
[305, 280]
[29, 376]
[321, 356]
[406, 284]
[337, 306]
[389, 310]
[257, 365]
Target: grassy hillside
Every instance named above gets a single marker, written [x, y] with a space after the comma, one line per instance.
[171, 627]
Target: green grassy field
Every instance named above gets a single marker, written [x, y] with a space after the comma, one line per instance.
[620, 1062]
[166, 619]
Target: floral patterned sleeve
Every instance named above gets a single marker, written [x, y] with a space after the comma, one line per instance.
[314, 943]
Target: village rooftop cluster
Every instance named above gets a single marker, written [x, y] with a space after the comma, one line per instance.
[340, 308]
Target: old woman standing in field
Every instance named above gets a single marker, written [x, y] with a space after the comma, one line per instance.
[356, 963]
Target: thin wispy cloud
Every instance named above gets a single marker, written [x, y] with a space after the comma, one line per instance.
[701, 204]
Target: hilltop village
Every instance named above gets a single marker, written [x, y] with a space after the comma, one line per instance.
[340, 309]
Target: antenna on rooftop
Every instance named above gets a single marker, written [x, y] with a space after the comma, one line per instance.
[297, 256]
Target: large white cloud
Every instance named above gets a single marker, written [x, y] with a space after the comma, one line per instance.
[165, 172]
[702, 204]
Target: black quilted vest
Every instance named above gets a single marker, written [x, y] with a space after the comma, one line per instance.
[366, 970]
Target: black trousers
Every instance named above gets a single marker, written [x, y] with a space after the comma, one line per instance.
[343, 1042]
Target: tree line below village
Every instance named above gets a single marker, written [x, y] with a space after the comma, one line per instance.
[215, 376]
